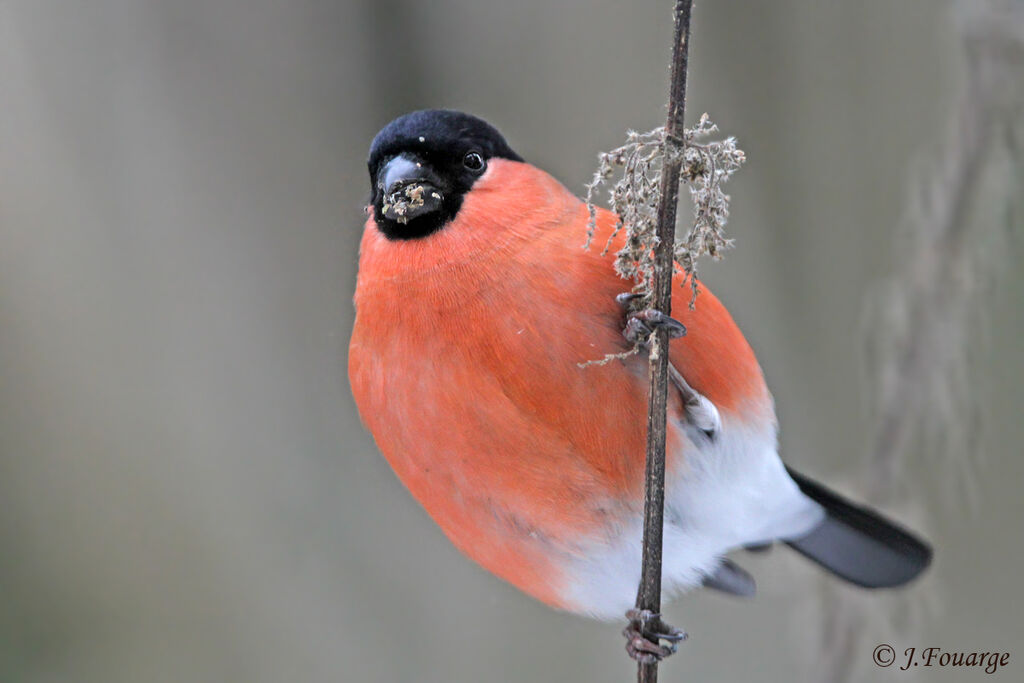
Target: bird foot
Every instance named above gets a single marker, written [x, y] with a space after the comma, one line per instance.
[700, 412]
[640, 324]
[644, 634]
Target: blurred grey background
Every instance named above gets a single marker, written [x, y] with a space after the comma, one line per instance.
[186, 493]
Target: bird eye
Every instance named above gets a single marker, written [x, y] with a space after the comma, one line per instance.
[473, 161]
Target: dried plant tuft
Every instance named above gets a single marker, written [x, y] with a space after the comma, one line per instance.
[634, 197]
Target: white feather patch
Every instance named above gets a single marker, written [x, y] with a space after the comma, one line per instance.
[728, 492]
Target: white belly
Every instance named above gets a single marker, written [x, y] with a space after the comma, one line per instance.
[731, 492]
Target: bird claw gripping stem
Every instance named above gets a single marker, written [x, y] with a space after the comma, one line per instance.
[640, 324]
[700, 412]
[644, 634]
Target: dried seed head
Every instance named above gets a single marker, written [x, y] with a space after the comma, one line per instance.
[634, 197]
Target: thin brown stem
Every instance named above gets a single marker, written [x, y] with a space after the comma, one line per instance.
[649, 594]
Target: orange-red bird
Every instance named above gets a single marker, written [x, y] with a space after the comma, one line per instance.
[476, 305]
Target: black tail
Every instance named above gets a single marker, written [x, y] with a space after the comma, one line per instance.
[858, 544]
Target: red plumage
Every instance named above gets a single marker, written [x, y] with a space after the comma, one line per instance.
[465, 365]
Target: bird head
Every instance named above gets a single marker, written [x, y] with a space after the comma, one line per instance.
[422, 165]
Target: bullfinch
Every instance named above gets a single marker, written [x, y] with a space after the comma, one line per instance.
[477, 309]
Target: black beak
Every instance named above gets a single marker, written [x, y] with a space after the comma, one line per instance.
[409, 189]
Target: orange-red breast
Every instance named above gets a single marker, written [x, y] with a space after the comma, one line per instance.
[476, 306]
